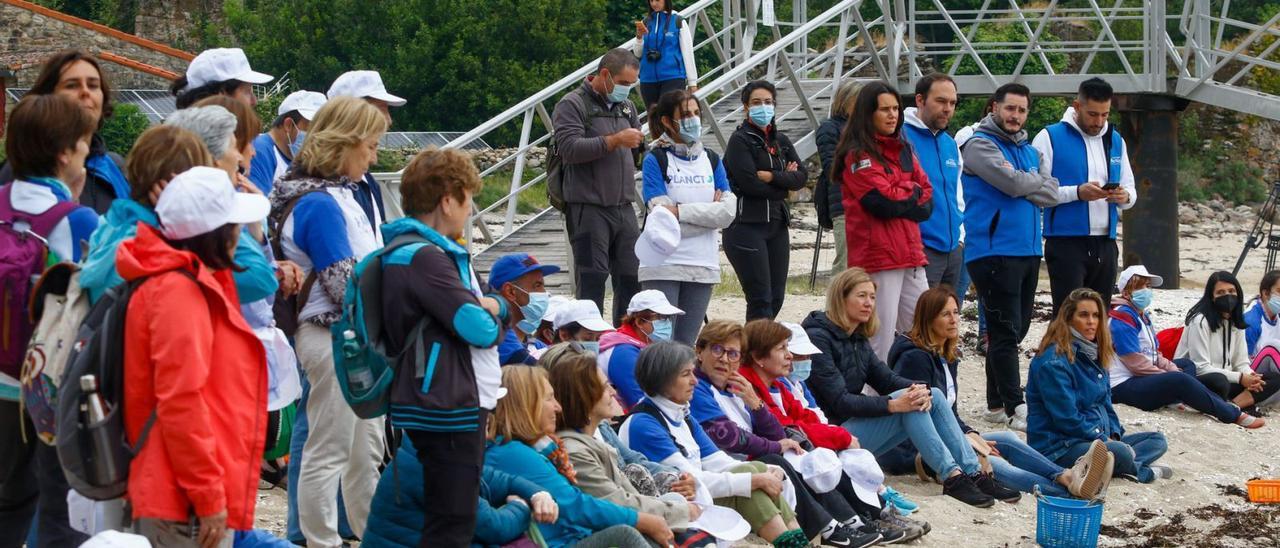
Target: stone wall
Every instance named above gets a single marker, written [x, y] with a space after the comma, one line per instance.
[173, 22]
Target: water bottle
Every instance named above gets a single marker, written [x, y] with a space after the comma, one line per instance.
[359, 376]
[103, 466]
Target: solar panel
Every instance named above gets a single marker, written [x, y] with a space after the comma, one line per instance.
[424, 139]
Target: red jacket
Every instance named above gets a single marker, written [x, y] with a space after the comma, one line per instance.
[794, 414]
[190, 356]
[884, 205]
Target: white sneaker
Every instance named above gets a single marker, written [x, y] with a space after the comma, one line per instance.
[1162, 471]
[1018, 423]
[995, 416]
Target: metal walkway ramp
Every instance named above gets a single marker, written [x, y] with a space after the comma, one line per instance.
[1192, 49]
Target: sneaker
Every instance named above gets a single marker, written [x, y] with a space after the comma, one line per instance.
[890, 533]
[1091, 473]
[1251, 422]
[923, 471]
[1019, 419]
[850, 537]
[988, 484]
[899, 501]
[962, 488]
[996, 416]
[914, 528]
[1162, 471]
[1176, 406]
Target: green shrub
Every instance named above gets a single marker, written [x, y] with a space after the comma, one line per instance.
[1190, 170]
[1237, 182]
[267, 107]
[124, 127]
[498, 185]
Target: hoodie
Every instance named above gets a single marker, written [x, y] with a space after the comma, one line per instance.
[618, 352]
[192, 360]
[826, 193]
[1075, 158]
[939, 157]
[1005, 189]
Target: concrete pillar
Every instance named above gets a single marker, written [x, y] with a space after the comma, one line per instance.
[1149, 124]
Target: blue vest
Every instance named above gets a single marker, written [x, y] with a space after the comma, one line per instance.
[940, 158]
[997, 224]
[664, 37]
[1071, 168]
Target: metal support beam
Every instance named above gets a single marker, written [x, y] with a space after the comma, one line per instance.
[1149, 124]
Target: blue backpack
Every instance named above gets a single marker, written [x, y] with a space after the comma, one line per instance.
[364, 369]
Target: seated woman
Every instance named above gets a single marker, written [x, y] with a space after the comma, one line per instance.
[1069, 396]
[928, 354]
[523, 444]
[1214, 340]
[739, 423]
[847, 364]
[648, 319]
[1263, 317]
[506, 506]
[1146, 379]
[660, 427]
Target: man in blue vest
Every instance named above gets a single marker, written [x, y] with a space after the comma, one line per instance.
[1005, 187]
[1089, 159]
[926, 130]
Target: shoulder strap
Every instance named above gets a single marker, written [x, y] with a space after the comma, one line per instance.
[646, 407]
[660, 154]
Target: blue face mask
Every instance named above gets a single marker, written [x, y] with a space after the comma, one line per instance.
[1274, 304]
[691, 130]
[296, 145]
[800, 370]
[1142, 298]
[620, 92]
[591, 346]
[533, 311]
[761, 115]
[662, 330]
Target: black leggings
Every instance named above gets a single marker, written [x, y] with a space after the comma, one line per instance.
[1218, 383]
[652, 91]
[451, 464]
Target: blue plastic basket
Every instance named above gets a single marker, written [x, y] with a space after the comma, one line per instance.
[1067, 523]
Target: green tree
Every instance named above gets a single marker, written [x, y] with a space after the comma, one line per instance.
[124, 127]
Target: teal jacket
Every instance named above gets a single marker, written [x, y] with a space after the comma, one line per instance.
[580, 514]
[256, 282]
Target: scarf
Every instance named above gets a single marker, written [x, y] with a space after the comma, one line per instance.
[679, 149]
[552, 447]
[1085, 346]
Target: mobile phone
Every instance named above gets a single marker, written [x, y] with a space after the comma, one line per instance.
[1110, 186]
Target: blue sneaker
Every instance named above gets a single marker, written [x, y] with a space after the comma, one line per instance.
[899, 501]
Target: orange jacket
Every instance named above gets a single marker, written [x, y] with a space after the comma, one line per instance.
[190, 356]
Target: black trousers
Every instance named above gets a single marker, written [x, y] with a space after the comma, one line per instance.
[814, 511]
[760, 254]
[1083, 261]
[603, 242]
[652, 91]
[19, 489]
[451, 465]
[1006, 292]
[1218, 384]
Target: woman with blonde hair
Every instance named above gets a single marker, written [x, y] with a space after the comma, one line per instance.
[321, 227]
[827, 196]
[897, 409]
[523, 443]
[1069, 395]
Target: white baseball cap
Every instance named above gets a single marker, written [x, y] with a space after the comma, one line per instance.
[652, 300]
[660, 238]
[116, 539]
[864, 473]
[221, 65]
[201, 199]
[820, 468]
[1137, 270]
[553, 307]
[363, 84]
[584, 313]
[307, 103]
[799, 343]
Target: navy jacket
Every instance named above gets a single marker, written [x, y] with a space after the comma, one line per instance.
[827, 197]
[846, 364]
[921, 365]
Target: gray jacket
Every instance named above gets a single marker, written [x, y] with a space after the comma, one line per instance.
[600, 475]
[982, 158]
[593, 174]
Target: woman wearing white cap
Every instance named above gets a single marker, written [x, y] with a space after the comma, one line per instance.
[218, 71]
[688, 194]
[648, 319]
[195, 374]
[580, 321]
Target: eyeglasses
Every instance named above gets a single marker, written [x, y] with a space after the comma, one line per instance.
[719, 351]
[760, 102]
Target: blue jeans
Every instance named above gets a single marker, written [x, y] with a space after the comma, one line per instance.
[1134, 454]
[292, 530]
[1022, 468]
[935, 434]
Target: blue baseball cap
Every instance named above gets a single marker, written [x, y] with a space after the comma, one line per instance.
[509, 268]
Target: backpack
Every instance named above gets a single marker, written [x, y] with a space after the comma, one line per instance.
[59, 305]
[286, 309]
[555, 164]
[364, 368]
[24, 252]
[95, 457]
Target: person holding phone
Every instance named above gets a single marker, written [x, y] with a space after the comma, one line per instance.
[664, 44]
[1091, 162]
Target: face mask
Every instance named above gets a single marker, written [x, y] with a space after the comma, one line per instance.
[296, 145]
[620, 92]
[662, 330]
[591, 346]
[533, 311]
[1225, 303]
[691, 130]
[800, 370]
[1142, 298]
[761, 115]
[1274, 304]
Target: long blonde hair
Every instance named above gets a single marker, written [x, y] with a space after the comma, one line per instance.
[1059, 332]
[340, 126]
[518, 416]
[841, 286]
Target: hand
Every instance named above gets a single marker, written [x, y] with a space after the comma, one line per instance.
[545, 509]
[767, 482]
[994, 451]
[719, 196]
[693, 88]
[243, 184]
[1118, 195]
[156, 189]
[686, 486]
[789, 444]
[1252, 382]
[627, 138]
[765, 176]
[792, 166]
[1090, 191]
[212, 529]
[695, 511]
[739, 385]
[655, 528]
[853, 444]
[491, 304]
[289, 274]
[912, 400]
[674, 209]
[641, 30]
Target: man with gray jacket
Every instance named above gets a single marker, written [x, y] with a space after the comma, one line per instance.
[599, 139]
[1005, 189]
